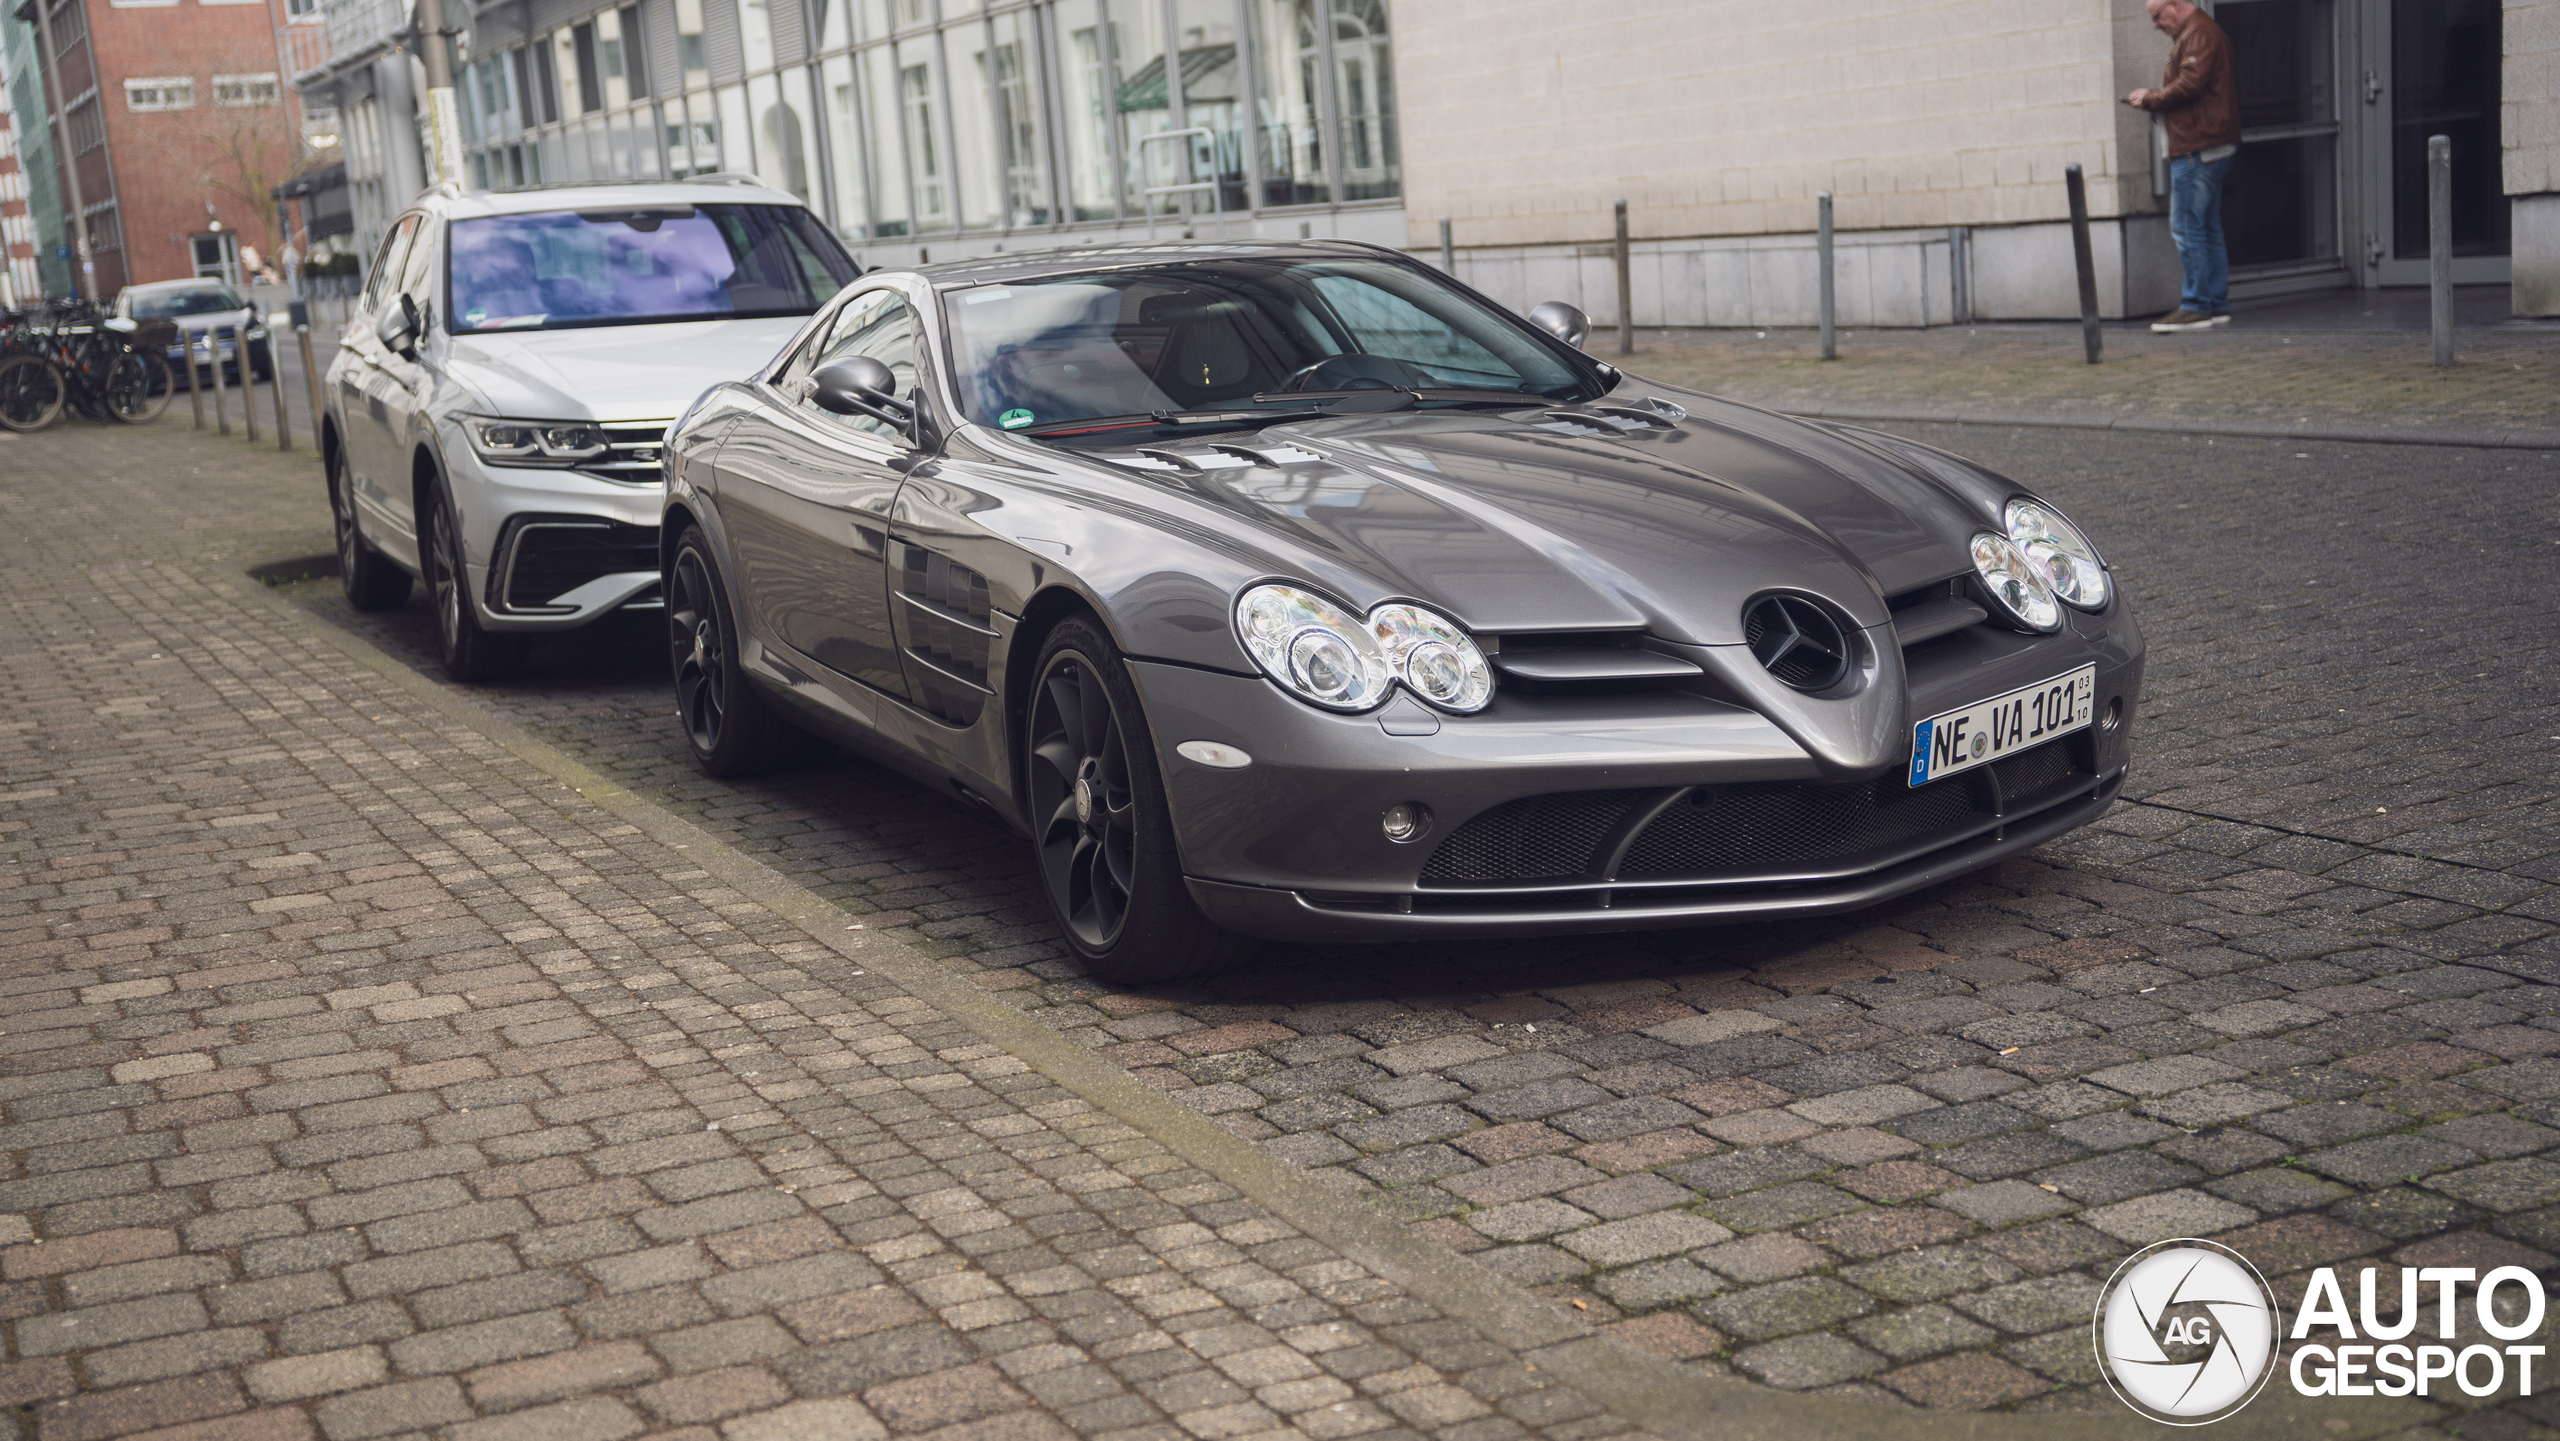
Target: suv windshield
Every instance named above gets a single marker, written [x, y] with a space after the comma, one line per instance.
[195, 300]
[1209, 333]
[561, 268]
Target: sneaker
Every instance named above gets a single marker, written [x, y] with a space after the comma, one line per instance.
[2181, 319]
[2222, 317]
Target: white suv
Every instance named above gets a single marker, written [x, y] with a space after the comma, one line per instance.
[496, 409]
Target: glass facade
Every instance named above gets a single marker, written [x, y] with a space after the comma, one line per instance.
[901, 120]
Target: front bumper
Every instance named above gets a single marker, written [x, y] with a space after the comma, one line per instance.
[1564, 814]
[553, 549]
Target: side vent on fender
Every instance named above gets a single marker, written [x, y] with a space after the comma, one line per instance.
[949, 630]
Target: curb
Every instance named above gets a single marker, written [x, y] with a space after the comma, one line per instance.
[1660, 1395]
[2150, 425]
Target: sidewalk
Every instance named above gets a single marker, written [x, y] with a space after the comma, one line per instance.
[2246, 379]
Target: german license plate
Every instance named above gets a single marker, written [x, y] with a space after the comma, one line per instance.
[1998, 728]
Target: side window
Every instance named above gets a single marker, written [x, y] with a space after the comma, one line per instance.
[387, 263]
[881, 326]
[417, 272]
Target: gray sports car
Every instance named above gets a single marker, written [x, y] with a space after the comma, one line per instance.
[1296, 591]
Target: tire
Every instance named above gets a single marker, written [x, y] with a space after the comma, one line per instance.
[470, 653]
[730, 727]
[372, 580]
[137, 387]
[1102, 834]
[31, 392]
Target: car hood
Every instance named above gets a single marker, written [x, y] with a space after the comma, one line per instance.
[1576, 519]
[614, 373]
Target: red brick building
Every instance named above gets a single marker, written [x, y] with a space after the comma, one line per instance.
[181, 120]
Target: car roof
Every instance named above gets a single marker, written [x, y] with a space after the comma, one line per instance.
[1069, 260]
[201, 282]
[625, 194]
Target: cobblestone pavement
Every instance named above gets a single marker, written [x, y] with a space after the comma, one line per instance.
[360, 1080]
[2299, 994]
[2504, 380]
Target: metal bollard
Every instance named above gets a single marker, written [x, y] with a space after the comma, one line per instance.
[248, 382]
[195, 392]
[2440, 245]
[2091, 342]
[1448, 252]
[213, 355]
[310, 370]
[275, 379]
[1822, 262]
[1626, 289]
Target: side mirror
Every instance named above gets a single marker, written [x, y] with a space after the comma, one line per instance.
[862, 386]
[397, 328]
[1564, 322]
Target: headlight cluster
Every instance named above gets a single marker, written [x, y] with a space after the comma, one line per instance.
[536, 442]
[1324, 654]
[2041, 565]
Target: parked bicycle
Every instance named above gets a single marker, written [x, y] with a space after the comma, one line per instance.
[76, 354]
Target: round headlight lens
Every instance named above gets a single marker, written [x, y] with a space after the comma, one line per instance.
[1323, 654]
[1435, 659]
[2015, 582]
[2057, 549]
[1315, 648]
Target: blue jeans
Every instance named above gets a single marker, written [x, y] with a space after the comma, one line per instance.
[2195, 222]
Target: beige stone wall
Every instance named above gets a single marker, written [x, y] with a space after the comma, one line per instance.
[1724, 118]
[2529, 96]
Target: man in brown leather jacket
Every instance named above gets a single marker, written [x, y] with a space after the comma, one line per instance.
[2201, 102]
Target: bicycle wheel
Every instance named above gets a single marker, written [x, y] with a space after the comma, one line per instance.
[30, 392]
[137, 387]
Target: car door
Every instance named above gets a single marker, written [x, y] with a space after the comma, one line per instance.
[403, 382]
[805, 496]
[358, 377]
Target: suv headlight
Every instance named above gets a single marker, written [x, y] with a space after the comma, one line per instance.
[535, 442]
[2057, 549]
[1323, 654]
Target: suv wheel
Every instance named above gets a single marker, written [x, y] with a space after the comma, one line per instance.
[469, 652]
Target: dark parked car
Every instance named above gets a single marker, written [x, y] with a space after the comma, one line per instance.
[1296, 591]
[207, 314]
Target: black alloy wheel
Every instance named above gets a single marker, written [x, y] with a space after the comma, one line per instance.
[371, 580]
[469, 652]
[1102, 835]
[732, 730]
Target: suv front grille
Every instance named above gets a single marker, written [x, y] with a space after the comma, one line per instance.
[545, 557]
[633, 460]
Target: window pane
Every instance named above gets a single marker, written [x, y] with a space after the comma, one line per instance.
[887, 147]
[737, 150]
[1371, 166]
[755, 34]
[1013, 74]
[1144, 103]
[1092, 84]
[844, 146]
[973, 126]
[1291, 104]
[1212, 97]
[690, 57]
[782, 135]
[927, 172]
[693, 136]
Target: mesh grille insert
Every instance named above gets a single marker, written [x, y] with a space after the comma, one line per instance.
[1747, 827]
[1534, 838]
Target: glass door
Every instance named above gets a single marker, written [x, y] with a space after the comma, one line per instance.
[2280, 204]
[2431, 68]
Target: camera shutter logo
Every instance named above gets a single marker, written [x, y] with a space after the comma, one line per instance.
[2186, 1332]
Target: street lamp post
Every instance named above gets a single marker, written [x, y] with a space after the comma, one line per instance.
[444, 128]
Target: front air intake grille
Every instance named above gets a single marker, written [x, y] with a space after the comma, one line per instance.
[546, 557]
[634, 457]
[1714, 833]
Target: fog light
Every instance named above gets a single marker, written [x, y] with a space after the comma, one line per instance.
[1405, 821]
[2114, 716]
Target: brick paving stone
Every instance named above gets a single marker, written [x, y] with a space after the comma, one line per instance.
[1802, 1362]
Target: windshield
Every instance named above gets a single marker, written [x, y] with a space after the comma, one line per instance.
[563, 268]
[198, 300]
[1212, 333]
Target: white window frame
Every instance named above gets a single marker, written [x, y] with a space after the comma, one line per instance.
[273, 83]
[161, 88]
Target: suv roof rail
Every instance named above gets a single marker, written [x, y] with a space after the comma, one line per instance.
[729, 177]
[442, 190]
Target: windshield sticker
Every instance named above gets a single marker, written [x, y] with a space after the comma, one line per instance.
[1014, 419]
[474, 315]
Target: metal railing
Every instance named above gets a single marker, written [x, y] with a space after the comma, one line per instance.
[353, 25]
[1147, 197]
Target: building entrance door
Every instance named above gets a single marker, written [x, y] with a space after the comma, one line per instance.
[2430, 67]
[217, 257]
